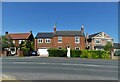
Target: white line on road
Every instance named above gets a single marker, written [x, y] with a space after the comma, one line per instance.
[65, 64]
[5, 76]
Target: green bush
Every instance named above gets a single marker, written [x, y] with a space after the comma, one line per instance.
[85, 54]
[57, 53]
[95, 54]
[26, 51]
[75, 53]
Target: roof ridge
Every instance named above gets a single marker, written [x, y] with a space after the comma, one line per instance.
[69, 30]
[45, 32]
[20, 33]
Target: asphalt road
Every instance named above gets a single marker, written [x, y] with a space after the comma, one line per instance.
[35, 68]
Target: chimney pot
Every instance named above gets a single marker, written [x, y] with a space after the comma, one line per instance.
[82, 29]
[54, 28]
[6, 32]
[31, 32]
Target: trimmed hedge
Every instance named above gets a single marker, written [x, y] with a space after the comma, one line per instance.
[57, 53]
[95, 54]
[75, 53]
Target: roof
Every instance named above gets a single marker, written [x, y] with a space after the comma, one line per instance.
[116, 45]
[68, 33]
[59, 33]
[92, 35]
[44, 35]
[20, 35]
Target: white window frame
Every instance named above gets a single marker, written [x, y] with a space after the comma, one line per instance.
[77, 38]
[76, 48]
[39, 40]
[98, 40]
[60, 47]
[47, 39]
[13, 41]
[20, 41]
[59, 38]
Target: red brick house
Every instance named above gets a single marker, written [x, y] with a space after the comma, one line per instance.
[60, 39]
[17, 38]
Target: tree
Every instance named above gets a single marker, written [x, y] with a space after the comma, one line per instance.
[108, 46]
[6, 42]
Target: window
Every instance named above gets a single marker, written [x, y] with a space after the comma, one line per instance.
[60, 47]
[108, 40]
[20, 41]
[60, 39]
[47, 40]
[98, 41]
[77, 48]
[77, 39]
[13, 41]
[40, 40]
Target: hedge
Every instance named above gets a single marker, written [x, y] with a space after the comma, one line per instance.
[95, 54]
[75, 53]
[57, 53]
[26, 51]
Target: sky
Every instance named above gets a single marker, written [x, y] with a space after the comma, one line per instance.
[41, 17]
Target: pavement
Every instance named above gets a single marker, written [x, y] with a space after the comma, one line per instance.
[36, 68]
[5, 77]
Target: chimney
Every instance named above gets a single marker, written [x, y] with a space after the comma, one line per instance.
[82, 29]
[6, 32]
[54, 28]
[31, 32]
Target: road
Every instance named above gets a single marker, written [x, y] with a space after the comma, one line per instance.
[36, 68]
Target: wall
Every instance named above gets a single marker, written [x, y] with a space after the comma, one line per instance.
[69, 41]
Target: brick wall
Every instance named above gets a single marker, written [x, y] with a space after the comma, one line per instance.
[69, 41]
[43, 45]
[66, 41]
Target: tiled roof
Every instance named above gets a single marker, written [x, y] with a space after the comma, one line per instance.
[20, 35]
[44, 35]
[59, 33]
[68, 33]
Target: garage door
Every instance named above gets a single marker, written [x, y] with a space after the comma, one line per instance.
[43, 52]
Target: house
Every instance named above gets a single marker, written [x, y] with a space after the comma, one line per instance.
[97, 41]
[60, 40]
[17, 38]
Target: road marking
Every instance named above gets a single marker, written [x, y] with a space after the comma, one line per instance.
[5, 76]
[20, 62]
[65, 64]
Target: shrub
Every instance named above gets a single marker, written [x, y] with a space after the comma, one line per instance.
[95, 54]
[26, 51]
[57, 53]
[75, 53]
[85, 54]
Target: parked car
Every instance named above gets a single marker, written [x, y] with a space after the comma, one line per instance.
[34, 53]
